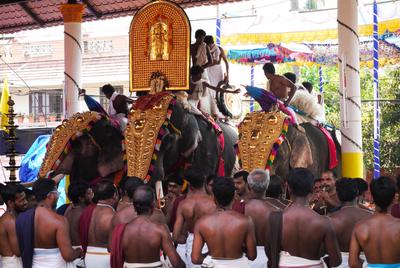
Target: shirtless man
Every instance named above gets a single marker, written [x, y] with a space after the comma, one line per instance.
[278, 84]
[43, 235]
[14, 197]
[191, 209]
[275, 192]
[379, 235]
[327, 200]
[345, 219]
[95, 225]
[118, 105]
[199, 51]
[303, 236]
[259, 208]
[242, 192]
[142, 239]
[227, 233]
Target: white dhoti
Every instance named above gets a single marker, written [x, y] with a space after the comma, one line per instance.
[97, 257]
[157, 264]
[345, 260]
[288, 261]
[11, 262]
[78, 262]
[242, 262]
[49, 258]
[181, 250]
[261, 260]
[189, 247]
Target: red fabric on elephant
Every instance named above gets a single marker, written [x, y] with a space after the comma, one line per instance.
[84, 223]
[149, 100]
[333, 161]
[117, 255]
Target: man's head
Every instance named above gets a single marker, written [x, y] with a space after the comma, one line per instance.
[346, 189]
[275, 187]
[144, 200]
[240, 182]
[209, 182]
[30, 197]
[328, 180]
[105, 191]
[80, 193]
[209, 40]
[269, 69]
[131, 184]
[175, 183]
[224, 191]
[196, 178]
[196, 72]
[308, 86]
[384, 192]
[45, 190]
[362, 186]
[258, 181]
[300, 181]
[14, 197]
[317, 186]
[291, 77]
[200, 34]
[108, 90]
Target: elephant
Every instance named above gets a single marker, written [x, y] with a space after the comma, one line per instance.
[305, 146]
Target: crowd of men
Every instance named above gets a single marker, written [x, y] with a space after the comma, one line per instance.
[244, 221]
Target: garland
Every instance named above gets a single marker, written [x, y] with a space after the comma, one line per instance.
[278, 143]
[161, 134]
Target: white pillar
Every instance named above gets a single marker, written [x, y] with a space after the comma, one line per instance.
[72, 14]
[350, 104]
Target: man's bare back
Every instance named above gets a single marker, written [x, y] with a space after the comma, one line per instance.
[343, 222]
[8, 236]
[259, 211]
[127, 214]
[226, 232]
[280, 86]
[72, 214]
[379, 237]
[100, 226]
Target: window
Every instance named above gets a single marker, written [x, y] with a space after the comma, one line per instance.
[97, 46]
[104, 100]
[45, 103]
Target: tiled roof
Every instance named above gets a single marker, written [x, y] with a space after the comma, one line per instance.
[18, 15]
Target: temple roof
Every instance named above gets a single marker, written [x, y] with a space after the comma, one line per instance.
[18, 15]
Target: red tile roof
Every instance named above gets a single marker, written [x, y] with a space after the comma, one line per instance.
[18, 15]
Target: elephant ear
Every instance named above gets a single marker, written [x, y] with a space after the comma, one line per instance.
[301, 154]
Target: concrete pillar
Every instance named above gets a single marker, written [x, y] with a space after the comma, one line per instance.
[72, 14]
[350, 96]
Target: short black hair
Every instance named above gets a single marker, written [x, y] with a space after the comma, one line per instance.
[131, 184]
[269, 68]
[107, 89]
[275, 186]
[301, 181]
[196, 69]
[210, 178]
[42, 187]
[224, 190]
[195, 177]
[104, 190]
[383, 191]
[290, 76]
[76, 190]
[347, 189]
[10, 190]
[308, 86]
[209, 39]
[143, 199]
[243, 173]
[362, 185]
[199, 33]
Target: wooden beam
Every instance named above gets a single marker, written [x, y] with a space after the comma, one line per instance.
[92, 9]
[31, 14]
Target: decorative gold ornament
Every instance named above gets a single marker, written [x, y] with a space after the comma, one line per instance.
[159, 42]
[257, 134]
[141, 135]
[62, 135]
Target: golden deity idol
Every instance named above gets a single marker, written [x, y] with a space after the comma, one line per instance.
[159, 41]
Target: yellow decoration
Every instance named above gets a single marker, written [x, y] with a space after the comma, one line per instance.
[141, 135]
[72, 12]
[257, 134]
[352, 165]
[306, 36]
[159, 43]
[4, 105]
[62, 135]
